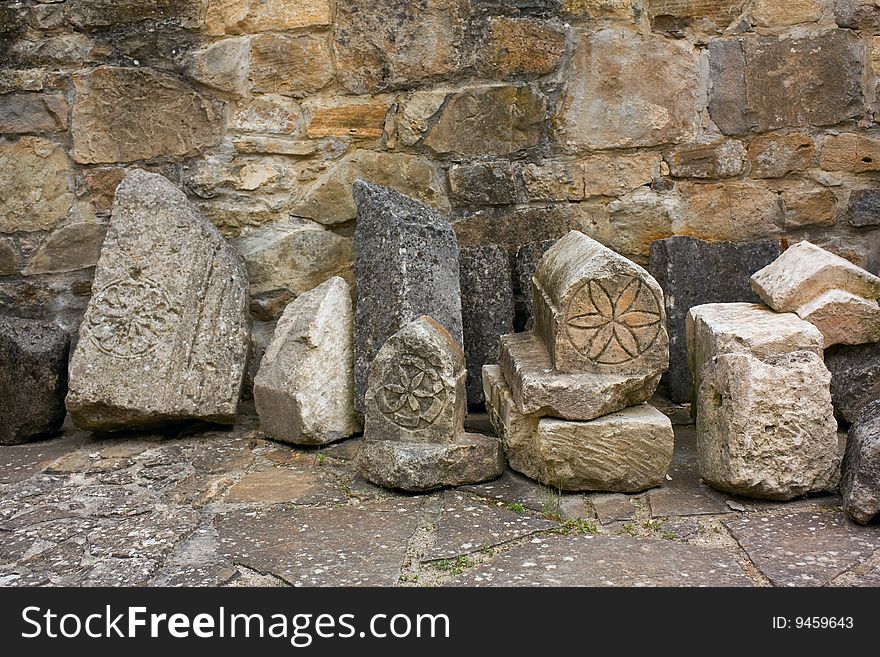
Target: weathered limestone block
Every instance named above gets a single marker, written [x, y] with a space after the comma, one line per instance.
[304, 389]
[414, 436]
[724, 159]
[486, 310]
[860, 476]
[808, 204]
[249, 16]
[765, 427]
[857, 14]
[8, 258]
[520, 46]
[781, 13]
[776, 156]
[598, 312]
[850, 152]
[731, 211]
[715, 329]
[71, 247]
[23, 113]
[838, 297]
[538, 389]
[290, 65]
[483, 183]
[36, 185]
[855, 377]
[693, 272]
[104, 13]
[406, 265]
[655, 97]
[33, 379]
[364, 119]
[166, 332]
[626, 452]
[761, 83]
[220, 65]
[131, 114]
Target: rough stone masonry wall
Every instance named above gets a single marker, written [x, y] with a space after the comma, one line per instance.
[630, 120]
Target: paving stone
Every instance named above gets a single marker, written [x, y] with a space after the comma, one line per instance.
[855, 377]
[18, 462]
[615, 507]
[693, 272]
[150, 536]
[486, 311]
[606, 561]
[685, 495]
[406, 258]
[285, 485]
[466, 526]
[803, 549]
[344, 546]
[513, 488]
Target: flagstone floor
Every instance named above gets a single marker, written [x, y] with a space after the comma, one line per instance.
[206, 507]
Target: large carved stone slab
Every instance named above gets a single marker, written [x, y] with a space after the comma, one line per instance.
[406, 265]
[626, 451]
[166, 332]
[714, 329]
[33, 379]
[860, 482]
[823, 289]
[693, 272]
[414, 436]
[599, 312]
[304, 390]
[766, 428]
[540, 390]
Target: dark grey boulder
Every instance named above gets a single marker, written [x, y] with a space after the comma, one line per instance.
[860, 471]
[855, 377]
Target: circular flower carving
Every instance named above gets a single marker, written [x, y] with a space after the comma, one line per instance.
[613, 328]
[416, 395]
[128, 316]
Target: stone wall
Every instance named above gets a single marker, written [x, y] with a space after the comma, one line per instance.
[630, 120]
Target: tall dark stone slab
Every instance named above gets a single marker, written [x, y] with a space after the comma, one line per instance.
[33, 379]
[860, 471]
[527, 258]
[486, 311]
[406, 266]
[855, 377]
[693, 272]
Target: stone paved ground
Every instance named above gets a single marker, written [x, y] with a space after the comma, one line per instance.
[214, 507]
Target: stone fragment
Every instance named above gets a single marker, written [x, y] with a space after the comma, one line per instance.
[249, 16]
[24, 112]
[782, 13]
[855, 377]
[824, 289]
[391, 44]
[776, 156]
[71, 247]
[362, 120]
[760, 83]
[520, 46]
[692, 272]
[849, 152]
[415, 112]
[294, 257]
[406, 265]
[131, 114]
[486, 310]
[732, 211]
[304, 390]
[598, 312]
[414, 437]
[864, 207]
[860, 480]
[330, 200]
[725, 159]
[766, 428]
[527, 258]
[220, 65]
[655, 98]
[541, 390]
[715, 329]
[483, 183]
[33, 379]
[625, 451]
[290, 65]
[489, 121]
[36, 186]
[166, 332]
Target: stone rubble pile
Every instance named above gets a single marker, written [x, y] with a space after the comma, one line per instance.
[567, 398]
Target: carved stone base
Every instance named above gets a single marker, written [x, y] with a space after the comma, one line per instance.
[418, 467]
[538, 390]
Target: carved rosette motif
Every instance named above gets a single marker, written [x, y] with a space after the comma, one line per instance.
[128, 316]
[414, 395]
[613, 327]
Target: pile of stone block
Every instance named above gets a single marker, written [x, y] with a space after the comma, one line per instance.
[568, 397]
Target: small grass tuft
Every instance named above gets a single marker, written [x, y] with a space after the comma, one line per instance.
[579, 526]
[455, 566]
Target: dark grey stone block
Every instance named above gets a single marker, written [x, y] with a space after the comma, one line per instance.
[486, 310]
[406, 266]
[860, 471]
[527, 258]
[33, 379]
[693, 272]
[864, 207]
[855, 377]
